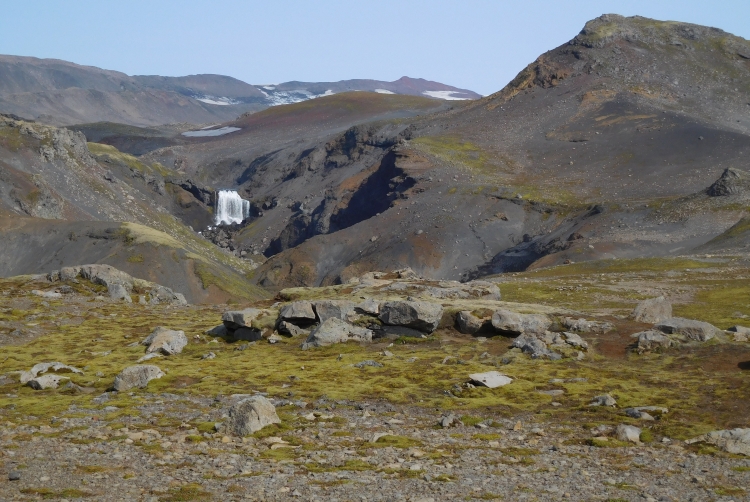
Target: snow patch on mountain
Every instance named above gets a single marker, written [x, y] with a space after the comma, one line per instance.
[210, 132]
[447, 95]
[214, 100]
[384, 91]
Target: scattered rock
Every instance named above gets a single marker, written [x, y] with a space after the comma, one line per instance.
[603, 400]
[46, 294]
[584, 326]
[136, 376]
[735, 441]
[147, 357]
[688, 328]
[250, 415]
[14, 476]
[209, 355]
[552, 392]
[423, 316]
[536, 348]
[334, 330]
[651, 340]
[653, 310]
[165, 341]
[628, 433]
[368, 362]
[490, 379]
[163, 295]
[637, 413]
[39, 368]
[468, 323]
[575, 340]
[514, 324]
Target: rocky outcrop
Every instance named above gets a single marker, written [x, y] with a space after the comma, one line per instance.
[136, 376]
[250, 415]
[732, 182]
[298, 312]
[334, 330]
[422, 316]
[120, 285]
[535, 347]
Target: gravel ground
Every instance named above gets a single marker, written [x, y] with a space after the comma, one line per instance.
[331, 456]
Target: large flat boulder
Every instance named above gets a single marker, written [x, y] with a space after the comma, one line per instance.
[340, 309]
[653, 310]
[236, 319]
[688, 328]
[334, 330]
[423, 316]
[513, 323]
[138, 376]
[250, 415]
[298, 312]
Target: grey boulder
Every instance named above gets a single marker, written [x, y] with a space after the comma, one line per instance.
[423, 316]
[289, 329]
[536, 348]
[250, 415]
[603, 400]
[39, 368]
[688, 328]
[163, 295]
[118, 292]
[653, 310]
[584, 326]
[490, 379]
[136, 376]
[513, 323]
[628, 433]
[334, 330]
[49, 381]
[165, 341]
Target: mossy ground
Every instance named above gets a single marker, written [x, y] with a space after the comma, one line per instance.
[702, 385]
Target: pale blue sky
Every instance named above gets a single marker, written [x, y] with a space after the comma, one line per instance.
[479, 45]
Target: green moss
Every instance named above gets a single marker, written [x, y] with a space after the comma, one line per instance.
[192, 491]
[397, 442]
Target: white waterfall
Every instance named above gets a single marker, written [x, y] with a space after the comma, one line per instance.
[231, 208]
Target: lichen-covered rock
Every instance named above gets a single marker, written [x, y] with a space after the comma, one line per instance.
[468, 323]
[575, 340]
[628, 433]
[688, 328]
[250, 415]
[340, 309]
[735, 441]
[136, 376]
[334, 330]
[653, 310]
[603, 400]
[49, 381]
[513, 323]
[165, 341]
[423, 316]
[298, 311]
